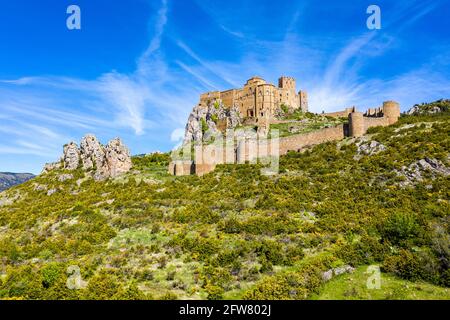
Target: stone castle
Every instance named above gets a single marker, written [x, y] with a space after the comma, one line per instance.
[259, 99]
[257, 104]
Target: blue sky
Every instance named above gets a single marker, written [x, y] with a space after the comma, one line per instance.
[136, 67]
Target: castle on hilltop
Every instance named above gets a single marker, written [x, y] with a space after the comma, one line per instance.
[240, 122]
[259, 99]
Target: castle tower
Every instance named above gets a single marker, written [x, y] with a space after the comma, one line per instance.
[286, 83]
[391, 110]
[303, 96]
[356, 124]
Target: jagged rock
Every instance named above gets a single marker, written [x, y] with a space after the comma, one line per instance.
[118, 157]
[234, 117]
[92, 154]
[193, 130]
[369, 147]
[210, 115]
[328, 275]
[51, 191]
[415, 172]
[39, 187]
[442, 105]
[101, 162]
[71, 156]
[51, 166]
[65, 177]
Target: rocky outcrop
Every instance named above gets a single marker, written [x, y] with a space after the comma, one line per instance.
[328, 275]
[117, 157]
[92, 153]
[101, 161]
[439, 106]
[368, 148]
[71, 156]
[207, 121]
[417, 171]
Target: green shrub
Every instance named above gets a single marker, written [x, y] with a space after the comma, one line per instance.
[400, 226]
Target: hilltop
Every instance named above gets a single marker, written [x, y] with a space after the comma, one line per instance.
[333, 209]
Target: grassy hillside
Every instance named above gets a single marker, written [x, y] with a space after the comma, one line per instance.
[354, 287]
[235, 233]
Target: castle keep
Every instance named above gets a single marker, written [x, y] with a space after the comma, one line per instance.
[258, 99]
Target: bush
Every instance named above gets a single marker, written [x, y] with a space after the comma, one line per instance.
[405, 264]
[400, 227]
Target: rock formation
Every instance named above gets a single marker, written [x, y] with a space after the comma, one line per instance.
[71, 156]
[416, 171]
[101, 161]
[442, 105]
[328, 275]
[117, 157]
[206, 122]
[366, 147]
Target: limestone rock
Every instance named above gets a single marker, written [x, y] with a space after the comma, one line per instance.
[92, 154]
[210, 115]
[369, 147]
[51, 191]
[71, 156]
[234, 117]
[442, 105]
[100, 161]
[118, 157]
[39, 187]
[328, 275]
[65, 177]
[193, 130]
[416, 171]
[51, 166]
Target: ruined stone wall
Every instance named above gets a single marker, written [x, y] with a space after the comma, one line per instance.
[340, 114]
[297, 142]
[374, 122]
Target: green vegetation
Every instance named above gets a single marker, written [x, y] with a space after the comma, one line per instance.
[215, 118]
[354, 287]
[443, 105]
[204, 125]
[235, 233]
[299, 122]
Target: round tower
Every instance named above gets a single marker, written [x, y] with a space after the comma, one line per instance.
[391, 110]
[356, 124]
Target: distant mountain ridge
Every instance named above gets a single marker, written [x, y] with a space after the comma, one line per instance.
[9, 179]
